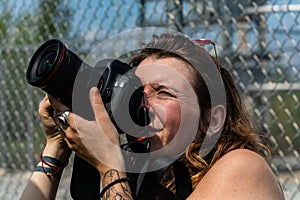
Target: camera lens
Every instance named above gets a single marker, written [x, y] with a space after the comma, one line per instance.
[46, 64]
[53, 68]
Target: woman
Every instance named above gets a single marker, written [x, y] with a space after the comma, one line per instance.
[195, 118]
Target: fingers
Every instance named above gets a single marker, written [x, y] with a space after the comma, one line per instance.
[97, 105]
[77, 132]
[57, 105]
[69, 133]
[91, 140]
[44, 106]
[103, 120]
[77, 124]
[59, 108]
[46, 114]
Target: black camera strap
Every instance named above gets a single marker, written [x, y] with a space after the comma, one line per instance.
[147, 186]
[85, 182]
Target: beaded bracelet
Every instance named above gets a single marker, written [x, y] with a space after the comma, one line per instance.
[54, 167]
[111, 184]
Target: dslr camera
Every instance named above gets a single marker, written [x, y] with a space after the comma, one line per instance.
[61, 73]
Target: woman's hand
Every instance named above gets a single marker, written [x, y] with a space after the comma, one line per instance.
[95, 141]
[56, 147]
[46, 113]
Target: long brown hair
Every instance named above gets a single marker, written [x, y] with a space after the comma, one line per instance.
[238, 131]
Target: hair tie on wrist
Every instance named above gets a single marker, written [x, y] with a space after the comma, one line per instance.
[50, 172]
[53, 167]
[53, 161]
[111, 184]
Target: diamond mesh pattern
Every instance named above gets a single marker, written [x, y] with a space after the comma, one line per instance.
[258, 42]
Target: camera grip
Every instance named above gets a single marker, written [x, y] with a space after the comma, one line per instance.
[85, 182]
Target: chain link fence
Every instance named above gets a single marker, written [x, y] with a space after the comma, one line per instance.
[258, 40]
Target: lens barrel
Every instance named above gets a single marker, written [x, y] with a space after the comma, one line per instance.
[53, 68]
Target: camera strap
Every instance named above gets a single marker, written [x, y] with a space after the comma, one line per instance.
[85, 181]
[147, 186]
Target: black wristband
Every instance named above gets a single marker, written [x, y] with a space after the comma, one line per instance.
[111, 184]
[52, 167]
[49, 171]
[54, 161]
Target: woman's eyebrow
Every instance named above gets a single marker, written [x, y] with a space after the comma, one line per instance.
[157, 86]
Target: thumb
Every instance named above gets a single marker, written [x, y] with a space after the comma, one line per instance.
[97, 104]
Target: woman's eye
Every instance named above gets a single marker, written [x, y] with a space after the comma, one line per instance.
[165, 93]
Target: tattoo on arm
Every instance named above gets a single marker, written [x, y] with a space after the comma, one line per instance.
[120, 191]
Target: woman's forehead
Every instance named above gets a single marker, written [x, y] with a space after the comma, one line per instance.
[164, 69]
[171, 73]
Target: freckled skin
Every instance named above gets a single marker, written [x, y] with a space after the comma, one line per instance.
[170, 98]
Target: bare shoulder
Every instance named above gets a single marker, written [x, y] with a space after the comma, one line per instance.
[240, 174]
[242, 159]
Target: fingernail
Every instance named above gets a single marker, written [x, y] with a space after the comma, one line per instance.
[95, 90]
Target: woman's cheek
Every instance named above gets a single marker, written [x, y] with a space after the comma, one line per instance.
[159, 114]
[190, 116]
[172, 117]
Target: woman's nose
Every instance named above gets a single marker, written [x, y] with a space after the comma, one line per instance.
[147, 94]
[144, 111]
[145, 101]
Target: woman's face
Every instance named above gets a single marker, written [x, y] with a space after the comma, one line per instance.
[172, 103]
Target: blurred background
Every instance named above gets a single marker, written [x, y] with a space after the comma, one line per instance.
[257, 40]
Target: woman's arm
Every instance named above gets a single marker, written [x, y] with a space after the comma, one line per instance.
[115, 185]
[54, 158]
[41, 185]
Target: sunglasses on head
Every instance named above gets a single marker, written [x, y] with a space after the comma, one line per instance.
[203, 42]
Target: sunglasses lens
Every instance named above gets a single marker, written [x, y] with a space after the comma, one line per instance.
[210, 47]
